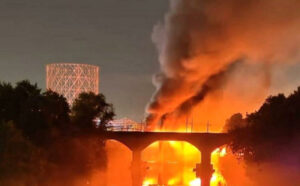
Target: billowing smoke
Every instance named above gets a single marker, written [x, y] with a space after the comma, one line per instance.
[205, 45]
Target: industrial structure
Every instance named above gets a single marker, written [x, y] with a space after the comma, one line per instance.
[124, 124]
[70, 79]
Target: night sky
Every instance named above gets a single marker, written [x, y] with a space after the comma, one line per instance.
[114, 34]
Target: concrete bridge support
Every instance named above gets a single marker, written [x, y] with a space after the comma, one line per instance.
[205, 170]
[137, 141]
[136, 168]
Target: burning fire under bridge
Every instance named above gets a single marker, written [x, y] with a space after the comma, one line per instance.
[206, 143]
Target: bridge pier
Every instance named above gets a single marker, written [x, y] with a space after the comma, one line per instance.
[137, 141]
[205, 170]
[136, 168]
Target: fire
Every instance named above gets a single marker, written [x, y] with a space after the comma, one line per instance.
[173, 181]
[217, 178]
[172, 163]
[195, 182]
[149, 181]
[223, 152]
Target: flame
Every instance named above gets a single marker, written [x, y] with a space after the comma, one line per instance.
[217, 178]
[149, 181]
[220, 152]
[195, 182]
[223, 152]
[166, 163]
[173, 181]
[180, 158]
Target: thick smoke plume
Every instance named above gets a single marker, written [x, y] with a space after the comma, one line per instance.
[200, 42]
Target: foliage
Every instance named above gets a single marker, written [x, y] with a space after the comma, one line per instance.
[41, 138]
[271, 133]
[19, 157]
[89, 106]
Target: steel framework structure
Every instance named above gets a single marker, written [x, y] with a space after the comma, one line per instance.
[125, 124]
[71, 79]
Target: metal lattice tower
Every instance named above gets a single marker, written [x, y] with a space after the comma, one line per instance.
[71, 79]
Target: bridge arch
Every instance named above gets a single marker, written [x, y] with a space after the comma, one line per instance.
[138, 141]
[119, 159]
[170, 162]
[120, 142]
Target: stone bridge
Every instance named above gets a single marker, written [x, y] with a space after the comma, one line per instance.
[206, 143]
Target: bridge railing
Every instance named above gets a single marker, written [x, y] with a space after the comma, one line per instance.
[129, 128]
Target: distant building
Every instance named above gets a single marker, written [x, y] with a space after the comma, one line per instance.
[70, 79]
[124, 124]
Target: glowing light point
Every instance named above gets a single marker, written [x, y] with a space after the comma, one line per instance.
[149, 181]
[195, 182]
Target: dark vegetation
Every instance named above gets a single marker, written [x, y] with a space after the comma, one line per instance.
[271, 134]
[41, 138]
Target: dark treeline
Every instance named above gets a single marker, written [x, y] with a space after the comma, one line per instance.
[270, 136]
[269, 142]
[41, 139]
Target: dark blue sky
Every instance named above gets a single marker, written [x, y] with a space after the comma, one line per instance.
[114, 34]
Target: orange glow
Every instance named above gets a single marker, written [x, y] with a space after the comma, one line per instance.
[195, 182]
[173, 181]
[223, 152]
[172, 163]
[168, 163]
[149, 181]
[217, 178]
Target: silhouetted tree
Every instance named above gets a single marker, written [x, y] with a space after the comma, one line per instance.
[37, 135]
[7, 102]
[235, 121]
[38, 115]
[270, 132]
[88, 108]
[56, 112]
[21, 161]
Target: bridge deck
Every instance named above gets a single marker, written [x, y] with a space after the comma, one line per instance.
[143, 139]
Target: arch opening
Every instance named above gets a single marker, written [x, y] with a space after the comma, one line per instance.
[173, 163]
[170, 163]
[217, 155]
[119, 158]
[164, 163]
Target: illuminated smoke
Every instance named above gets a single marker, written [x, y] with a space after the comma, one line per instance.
[200, 42]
